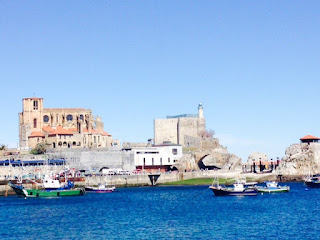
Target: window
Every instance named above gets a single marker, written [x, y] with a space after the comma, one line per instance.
[94, 139]
[160, 161]
[174, 151]
[35, 105]
[168, 160]
[69, 117]
[46, 118]
[81, 117]
[35, 123]
[152, 161]
[144, 161]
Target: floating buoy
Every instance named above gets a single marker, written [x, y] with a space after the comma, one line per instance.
[307, 189]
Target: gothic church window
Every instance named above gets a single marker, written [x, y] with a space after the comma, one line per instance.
[69, 117]
[35, 123]
[45, 118]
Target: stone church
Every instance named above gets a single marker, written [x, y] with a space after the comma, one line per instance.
[60, 127]
[181, 129]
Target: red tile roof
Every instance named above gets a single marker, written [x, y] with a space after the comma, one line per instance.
[60, 131]
[92, 130]
[73, 129]
[105, 134]
[48, 129]
[309, 137]
[36, 134]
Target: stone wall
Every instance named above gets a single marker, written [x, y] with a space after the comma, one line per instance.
[89, 159]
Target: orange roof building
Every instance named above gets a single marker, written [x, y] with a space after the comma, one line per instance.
[60, 127]
[309, 138]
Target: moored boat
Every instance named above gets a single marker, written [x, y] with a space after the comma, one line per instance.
[313, 182]
[21, 191]
[100, 189]
[239, 188]
[273, 187]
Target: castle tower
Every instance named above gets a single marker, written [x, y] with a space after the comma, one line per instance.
[200, 110]
[30, 120]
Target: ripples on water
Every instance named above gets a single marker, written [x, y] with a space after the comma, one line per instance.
[164, 212]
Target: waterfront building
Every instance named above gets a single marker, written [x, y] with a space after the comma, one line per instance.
[60, 127]
[156, 157]
[176, 129]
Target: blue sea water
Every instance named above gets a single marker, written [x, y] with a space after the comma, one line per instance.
[186, 212]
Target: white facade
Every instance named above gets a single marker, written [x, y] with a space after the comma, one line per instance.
[157, 156]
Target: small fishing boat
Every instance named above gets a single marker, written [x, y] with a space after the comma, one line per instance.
[102, 188]
[21, 191]
[273, 187]
[313, 182]
[239, 188]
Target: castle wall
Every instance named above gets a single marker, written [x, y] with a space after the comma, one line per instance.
[187, 127]
[165, 130]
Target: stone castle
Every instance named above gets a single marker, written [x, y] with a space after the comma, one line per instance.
[60, 127]
[177, 129]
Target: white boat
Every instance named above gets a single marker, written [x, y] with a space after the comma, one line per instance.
[273, 187]
[102, 188]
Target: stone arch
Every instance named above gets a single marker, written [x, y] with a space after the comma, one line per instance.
[201, 165]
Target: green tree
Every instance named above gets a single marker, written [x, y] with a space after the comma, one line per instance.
[2, 147]
[39, 149]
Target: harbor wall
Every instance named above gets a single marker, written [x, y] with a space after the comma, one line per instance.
[95, 159]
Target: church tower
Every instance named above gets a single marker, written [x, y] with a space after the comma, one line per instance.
[30, 120]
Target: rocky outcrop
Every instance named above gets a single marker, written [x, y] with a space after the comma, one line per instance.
[301, 159]
[220, 158]
[256, 157]
[187, 162]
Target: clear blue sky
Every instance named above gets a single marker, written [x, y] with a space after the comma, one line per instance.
[253, 64]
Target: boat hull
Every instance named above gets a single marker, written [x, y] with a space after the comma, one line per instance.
[99, 190]
[313, 184]
[279, 190]
[25, 192]
[230, 192]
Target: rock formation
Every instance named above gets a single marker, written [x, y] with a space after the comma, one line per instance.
[208, 154]
[256, 157]
[301, 159]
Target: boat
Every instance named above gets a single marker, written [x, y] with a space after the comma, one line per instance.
[239, 188]
[21, 191]
[102, 188]
[313, 182]
[273, 187]
[54, 184]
